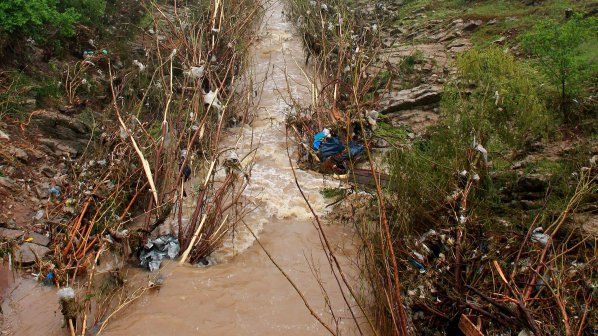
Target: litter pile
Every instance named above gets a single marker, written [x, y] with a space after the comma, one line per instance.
[156, 250]
[333, 150]
[497, 277]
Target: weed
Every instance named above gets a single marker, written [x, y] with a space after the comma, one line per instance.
[407, 65]
[383, 78]
[332, 192]
[390, 133]
[13, 89]
[557, 46]
[496, 96]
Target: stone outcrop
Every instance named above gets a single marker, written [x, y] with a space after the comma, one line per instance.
[59, 126]
[28, 253]
[423, 95]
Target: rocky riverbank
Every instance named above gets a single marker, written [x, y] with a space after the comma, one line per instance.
[480, 169]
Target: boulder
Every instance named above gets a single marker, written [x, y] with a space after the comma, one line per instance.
[59, 126]
[533, 183]
[30, 103]
[61, 147]
[4, 136]
[10, 234]
[38, 239]
[407, 99]
[19, 154]
[8, 183]
[399, 31]
[28, 253]
[48, 171]
[381, 143]
[444, 37]
[472, 25]
[500, 41]
[43, 190]
[416, 120]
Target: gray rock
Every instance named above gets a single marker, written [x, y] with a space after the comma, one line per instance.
[427, 67]
[48, 172]
[399, 31]
[449, 36]
[39, 214]
[43, 190]
[20, 154]
[406, 99]
[472, 25]
[39, 239]
[533, 183]
[381, 143]
[456, 23]
[10, 223]
[456, 44]
[415, 120]
[4, 136]
[28, 253]
[10, 234]
[31, 103]
[501, 40]
[8, 183]
[60, 147]
[418, 10]
[518, 165]
[60, 126]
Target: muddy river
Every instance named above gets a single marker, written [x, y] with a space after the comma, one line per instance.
[243, 293]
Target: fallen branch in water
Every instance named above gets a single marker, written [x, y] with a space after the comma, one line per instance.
[132, 298]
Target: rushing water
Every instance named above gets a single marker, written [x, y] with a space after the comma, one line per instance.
[243, 293]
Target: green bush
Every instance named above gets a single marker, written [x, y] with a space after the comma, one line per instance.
[91, 11]
[496, 101]
[559, 47]
[31, 16]
[13, 94]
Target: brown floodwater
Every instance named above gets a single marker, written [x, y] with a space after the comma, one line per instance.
[242, 293]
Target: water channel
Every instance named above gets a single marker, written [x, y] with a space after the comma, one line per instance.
[243, 293]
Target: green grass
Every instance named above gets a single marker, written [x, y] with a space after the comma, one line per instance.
[546, 166]
[524, 16]
[390, 133]
[381, 80]
[332, 192]
[497, 9]
[408, 63]
[14, 91]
